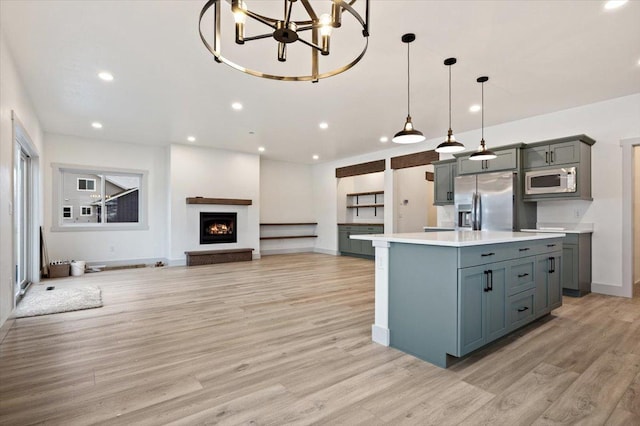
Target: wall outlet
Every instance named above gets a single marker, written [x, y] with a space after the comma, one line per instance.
[576, 213]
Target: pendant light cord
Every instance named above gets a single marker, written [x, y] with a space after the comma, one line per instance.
[408, 81]
[482, 138]
[449, 96]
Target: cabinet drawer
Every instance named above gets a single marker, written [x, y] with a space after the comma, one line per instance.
[521, 309]
[480, 255]
[521, 275]
[549, 246]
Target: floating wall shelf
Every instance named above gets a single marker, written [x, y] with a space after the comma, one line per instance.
[224, 201]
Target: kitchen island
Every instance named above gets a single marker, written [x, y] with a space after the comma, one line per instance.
[440, 295]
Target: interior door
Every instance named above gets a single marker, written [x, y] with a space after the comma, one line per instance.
[22, 197]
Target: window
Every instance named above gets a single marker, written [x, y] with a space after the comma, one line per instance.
[86, 184]
[105, 198]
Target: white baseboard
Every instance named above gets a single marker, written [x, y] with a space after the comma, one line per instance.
[177, 262]
[287, 251]
[125, 262]
[380, 335]
[609, 290]
[325, 251]
[256, 256]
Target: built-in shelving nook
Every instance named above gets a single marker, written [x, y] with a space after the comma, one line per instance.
[365, 200]
[287, 237]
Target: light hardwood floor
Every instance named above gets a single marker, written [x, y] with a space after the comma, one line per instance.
[286, 340]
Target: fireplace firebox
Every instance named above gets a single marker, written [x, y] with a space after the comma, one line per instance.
[218, 228]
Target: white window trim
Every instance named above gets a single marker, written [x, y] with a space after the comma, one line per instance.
[86, 180]
[86, 207]
[58, 225]
[70, 212]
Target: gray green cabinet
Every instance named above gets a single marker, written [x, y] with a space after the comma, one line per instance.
[552, 153]
[548, 294]
[506, 159]
[357, 248]
[445, 172]
[483, 315]
[576, 273]
[571, 151]
[448, 301]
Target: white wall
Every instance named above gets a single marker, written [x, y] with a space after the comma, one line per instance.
[412, 187]
[213, 173]
[13, 97]
[285, 192]
[607, 122]
[106, 246]
[636, 215]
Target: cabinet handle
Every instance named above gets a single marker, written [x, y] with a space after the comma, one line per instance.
[552, 156]
[524, 308]
[486, 287]
[524, 249]
[487, 254]
[491, 280]
[551, 245]
[551, 265]
[523, 275]
[546, 157]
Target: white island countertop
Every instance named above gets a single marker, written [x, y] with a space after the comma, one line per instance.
[458, 238]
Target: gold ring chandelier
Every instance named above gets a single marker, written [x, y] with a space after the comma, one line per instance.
[285, 31]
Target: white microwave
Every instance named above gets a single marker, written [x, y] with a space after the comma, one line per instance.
[550, 181]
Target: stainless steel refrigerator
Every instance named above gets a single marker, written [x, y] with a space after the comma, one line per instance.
[492, 201]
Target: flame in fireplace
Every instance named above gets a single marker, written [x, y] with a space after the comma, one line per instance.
[219, 229]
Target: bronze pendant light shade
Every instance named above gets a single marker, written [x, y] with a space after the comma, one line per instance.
[408, 134]
[450, 145]
[483, 152]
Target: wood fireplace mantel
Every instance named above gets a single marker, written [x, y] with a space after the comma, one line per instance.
[226, 201]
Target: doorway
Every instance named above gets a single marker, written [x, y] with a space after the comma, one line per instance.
[25, 225]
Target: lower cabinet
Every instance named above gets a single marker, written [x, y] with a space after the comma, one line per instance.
[576, 274]
[497, 298]
[483, 315]
[358, 248]
[548, 287]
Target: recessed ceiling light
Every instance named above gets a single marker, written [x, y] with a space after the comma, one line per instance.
[96, 125]
[261, 149]
[384, 139]
[614, 4]
[237, 106]
[315, 157]
[324, 125]
[106, 76]
[475, 108]
[191, 138]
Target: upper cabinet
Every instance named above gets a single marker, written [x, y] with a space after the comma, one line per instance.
[556, 152]
[507, 159]
[551, 161]
[445, 172]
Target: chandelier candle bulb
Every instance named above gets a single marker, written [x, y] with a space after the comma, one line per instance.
[336, 15]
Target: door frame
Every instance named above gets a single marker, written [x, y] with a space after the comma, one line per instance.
[23, 141]
[627, 214]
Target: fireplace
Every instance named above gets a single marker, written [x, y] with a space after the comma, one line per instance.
[218, 228]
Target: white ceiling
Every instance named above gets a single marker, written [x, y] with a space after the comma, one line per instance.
[541, 56]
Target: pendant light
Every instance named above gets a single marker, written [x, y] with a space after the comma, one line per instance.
[408, 134]
[483, 152]
[450, 145]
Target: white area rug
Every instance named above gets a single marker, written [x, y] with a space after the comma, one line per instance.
[40, 301]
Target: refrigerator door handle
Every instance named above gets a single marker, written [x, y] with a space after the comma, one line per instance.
[477, 211]
[473, 210]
